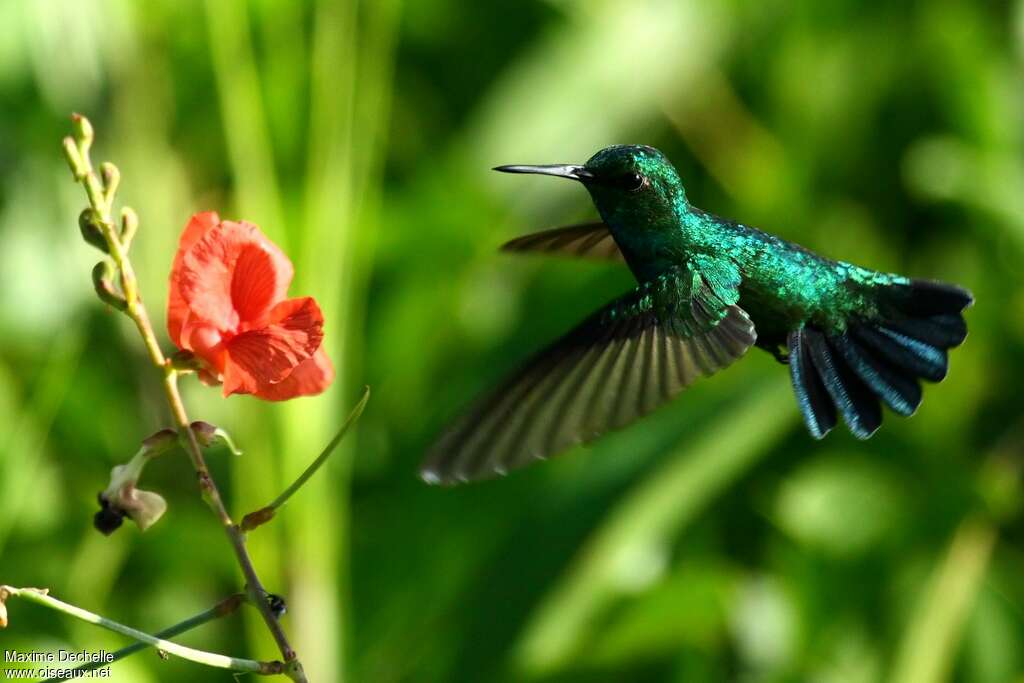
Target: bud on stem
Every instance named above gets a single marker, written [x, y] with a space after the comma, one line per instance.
[83, 131]
[89, 223]
[111, 179]
[184, 362]
[257, 518]
[208, 435]
[122, 497]
[74, 159]
[160, 442]
[129, 224]
[102, 275]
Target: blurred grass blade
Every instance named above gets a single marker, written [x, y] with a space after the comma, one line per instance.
[582, 87]
[932, 637]
[636, 534]
[948, 169]
[22, 448]
[244, 120]
[352, 43]
[257, 199]
[317, 524]
[735, 148]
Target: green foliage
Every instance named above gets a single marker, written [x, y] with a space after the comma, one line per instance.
[839, 505]
[712, 541]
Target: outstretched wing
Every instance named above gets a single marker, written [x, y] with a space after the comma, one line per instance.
[620, 363]
[588, 240]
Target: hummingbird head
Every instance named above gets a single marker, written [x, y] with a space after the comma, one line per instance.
[623, 180]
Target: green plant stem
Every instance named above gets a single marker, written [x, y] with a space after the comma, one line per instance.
[77, 153]
[223, 608]
[267, 512]
[211, 495]
[39, 597]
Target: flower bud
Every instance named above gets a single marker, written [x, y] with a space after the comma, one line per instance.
[129, 224]
[83, 130]
[144, 507]
[74, 158]
[111, 178]
[160, 442]
[257, 518]
[122, 497]
[185, 361]
[89, 224]
[102, 283]
[205, 432]
[209, 435]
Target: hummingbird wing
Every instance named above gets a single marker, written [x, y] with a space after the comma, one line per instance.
[587, 240]
[620, 363]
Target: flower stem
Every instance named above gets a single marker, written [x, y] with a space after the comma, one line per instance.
[40, 597]
[266, 513]
[223, 608]
[100, 199]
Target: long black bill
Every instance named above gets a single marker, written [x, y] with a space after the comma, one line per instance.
[560, 170]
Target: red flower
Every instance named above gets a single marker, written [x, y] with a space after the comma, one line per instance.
[227, 305]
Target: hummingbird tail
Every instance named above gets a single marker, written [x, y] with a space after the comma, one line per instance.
[880, 360]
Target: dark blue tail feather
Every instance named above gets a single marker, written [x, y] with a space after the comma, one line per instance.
[817, 408]
[877, 360]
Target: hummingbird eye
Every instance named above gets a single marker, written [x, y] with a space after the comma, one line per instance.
[631, 182]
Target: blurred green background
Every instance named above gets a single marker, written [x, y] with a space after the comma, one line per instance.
[714, 540]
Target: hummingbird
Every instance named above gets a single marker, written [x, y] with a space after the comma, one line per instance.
[708, 289]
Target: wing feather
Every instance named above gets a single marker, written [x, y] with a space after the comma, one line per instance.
[587, 240]
[617, 365]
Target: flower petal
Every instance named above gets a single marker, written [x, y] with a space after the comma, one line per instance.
[177, 309]
[205, 341]
[144, 507]
[233, 276]
[261, 357]
[310, 377]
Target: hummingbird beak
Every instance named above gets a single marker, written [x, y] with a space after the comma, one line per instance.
[571, 171]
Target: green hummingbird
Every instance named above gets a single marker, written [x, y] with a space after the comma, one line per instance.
[708, 289]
